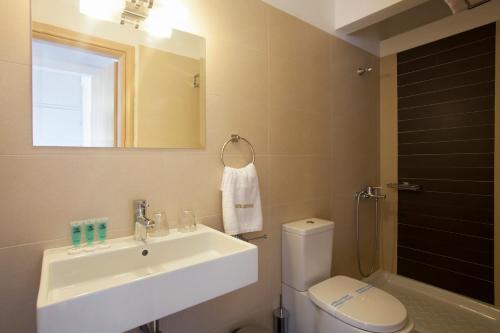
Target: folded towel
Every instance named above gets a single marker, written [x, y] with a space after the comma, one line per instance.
[241, 206]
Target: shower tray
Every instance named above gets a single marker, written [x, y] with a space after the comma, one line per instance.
[436, 310]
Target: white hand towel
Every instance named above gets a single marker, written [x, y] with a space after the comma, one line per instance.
[241, 206]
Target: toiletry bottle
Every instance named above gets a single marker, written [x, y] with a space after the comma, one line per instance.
[102, 231]
[76, 237]
[89, 226]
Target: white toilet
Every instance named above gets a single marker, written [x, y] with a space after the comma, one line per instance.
[320, 304]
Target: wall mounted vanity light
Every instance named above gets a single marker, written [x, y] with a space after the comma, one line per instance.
[156, 17]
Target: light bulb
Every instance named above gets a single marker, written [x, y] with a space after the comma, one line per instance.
[164, 16]
[108, 10]
[157, 24]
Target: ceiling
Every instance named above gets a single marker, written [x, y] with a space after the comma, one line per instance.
[410, 19]
[394, 25]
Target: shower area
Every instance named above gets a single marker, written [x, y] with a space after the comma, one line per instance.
[446, 132]
[437, 245]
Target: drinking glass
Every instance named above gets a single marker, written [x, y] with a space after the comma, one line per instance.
[159, 216]
[187, 220]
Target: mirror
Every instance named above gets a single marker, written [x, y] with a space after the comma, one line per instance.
[112, 73]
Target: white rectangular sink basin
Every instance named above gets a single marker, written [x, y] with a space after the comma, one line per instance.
[133, 283]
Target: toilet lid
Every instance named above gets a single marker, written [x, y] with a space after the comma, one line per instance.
[359, 304]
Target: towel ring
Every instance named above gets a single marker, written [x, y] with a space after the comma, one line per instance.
[235, 138]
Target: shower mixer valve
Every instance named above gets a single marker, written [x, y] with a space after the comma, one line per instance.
[371, 192]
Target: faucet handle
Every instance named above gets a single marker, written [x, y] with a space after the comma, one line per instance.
[141, 203]
[140, 208]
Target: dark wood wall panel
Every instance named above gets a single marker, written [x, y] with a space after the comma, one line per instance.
[445, 134]
[445, 96]
[476, 288]
[452, 81]
[467, 64]
[463, 227]
[454, 186]
[447, 43]
[468, 50]
[471, 120]
[460, 247]
[480, 271]
[447, 147]
[446, 102]
[447, 161]
[453, 107]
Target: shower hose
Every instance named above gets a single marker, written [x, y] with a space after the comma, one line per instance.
[359, 196]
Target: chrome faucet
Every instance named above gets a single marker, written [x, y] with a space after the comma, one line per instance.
[142, 224]
[371, 192]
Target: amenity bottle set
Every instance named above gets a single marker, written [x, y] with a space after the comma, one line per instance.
[88, 227]
[187, 222]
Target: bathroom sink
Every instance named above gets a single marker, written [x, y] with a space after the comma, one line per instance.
[133, 283]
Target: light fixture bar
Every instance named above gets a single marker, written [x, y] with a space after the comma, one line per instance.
[136, 12]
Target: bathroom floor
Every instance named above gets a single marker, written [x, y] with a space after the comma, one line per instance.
[436, 314]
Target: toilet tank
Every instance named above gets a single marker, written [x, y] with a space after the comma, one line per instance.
[306, 252]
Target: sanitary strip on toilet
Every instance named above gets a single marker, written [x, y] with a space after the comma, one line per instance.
[346, 298]
[363, 289]
[341, 301]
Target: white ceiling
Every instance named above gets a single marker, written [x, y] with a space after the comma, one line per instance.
[316, 12]
[320, 13]
[389, 26]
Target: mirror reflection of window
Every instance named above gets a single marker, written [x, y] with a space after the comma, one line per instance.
[74, 96]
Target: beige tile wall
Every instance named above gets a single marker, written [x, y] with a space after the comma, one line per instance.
[285, 85]
[389, 160]
[355, 153]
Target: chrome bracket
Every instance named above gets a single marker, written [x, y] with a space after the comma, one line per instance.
[243, 238]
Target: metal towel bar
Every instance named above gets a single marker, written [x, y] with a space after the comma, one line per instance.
[235, 138]
[240, 236]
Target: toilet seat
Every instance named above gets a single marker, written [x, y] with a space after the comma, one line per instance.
[359, 304]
